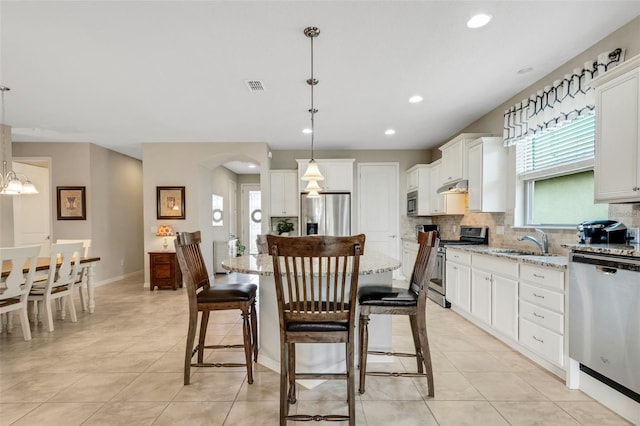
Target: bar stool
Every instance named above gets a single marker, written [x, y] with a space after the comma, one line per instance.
[409, 301]
[316, 280]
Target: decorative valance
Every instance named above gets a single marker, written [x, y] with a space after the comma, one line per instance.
[557, 104]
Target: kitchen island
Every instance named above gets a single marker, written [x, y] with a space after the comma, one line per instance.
[375, 269]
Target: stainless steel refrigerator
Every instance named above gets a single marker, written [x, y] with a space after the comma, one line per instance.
[328, 215]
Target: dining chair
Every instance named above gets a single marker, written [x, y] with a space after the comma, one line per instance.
[15, 285]
[81, 284]
[316, 279]
[411, 301]
[204, 298]
[60, 282]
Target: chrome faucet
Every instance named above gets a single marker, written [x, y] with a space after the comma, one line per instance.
[544, 245]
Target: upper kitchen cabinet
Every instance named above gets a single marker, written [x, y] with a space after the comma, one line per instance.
[454, 157]
[441, 204]
[284, 192]
[617, 147]
[338, 174]
[417, 177]
[487, 175]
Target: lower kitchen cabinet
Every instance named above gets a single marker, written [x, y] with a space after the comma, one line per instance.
[458, 276]
[520, 303]
[504, 298]
[409, 253]
[481, 295]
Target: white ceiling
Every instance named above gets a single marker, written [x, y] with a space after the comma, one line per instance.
[121, 73]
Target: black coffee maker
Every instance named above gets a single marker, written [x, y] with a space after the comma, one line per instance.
[602, 232]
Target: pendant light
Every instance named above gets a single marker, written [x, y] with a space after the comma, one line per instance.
[313, 172]
[10, 184]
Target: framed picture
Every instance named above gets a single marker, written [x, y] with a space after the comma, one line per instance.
[72, 203]
[170, 202]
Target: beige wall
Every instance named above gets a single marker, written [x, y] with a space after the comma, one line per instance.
[114, 206]
[191, 165]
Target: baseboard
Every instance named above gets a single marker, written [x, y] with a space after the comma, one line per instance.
[118, 278]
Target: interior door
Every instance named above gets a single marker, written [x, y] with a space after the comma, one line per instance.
[251, 216]
[378, 207]
[32, 212]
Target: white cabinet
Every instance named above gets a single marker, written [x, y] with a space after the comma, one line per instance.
[284, 192]
[418, 178]
[454, 157]
[458, 279]
[338, 174]
[436, 200]
[542, 312]
[617, 166]
[494, 289]
[418, 181]
[481, 295]
[409, 253]
[487, 175]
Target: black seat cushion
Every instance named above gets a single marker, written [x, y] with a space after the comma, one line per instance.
[228, 293]
[318, 326]
[386, 296]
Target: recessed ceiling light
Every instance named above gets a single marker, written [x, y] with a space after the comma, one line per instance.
[306, 131]
[415, 99]
[479, 20]
[525, 70]
[251, 166]
[389, 132]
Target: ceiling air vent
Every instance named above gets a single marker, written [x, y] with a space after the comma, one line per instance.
[255, 85]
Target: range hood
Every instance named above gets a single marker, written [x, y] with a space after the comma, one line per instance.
[457, 187]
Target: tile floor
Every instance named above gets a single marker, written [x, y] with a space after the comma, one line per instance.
[122, 365]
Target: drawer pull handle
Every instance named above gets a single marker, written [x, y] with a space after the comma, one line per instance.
[538, 295]
[538, 340]
[539, 316]
[539, 276]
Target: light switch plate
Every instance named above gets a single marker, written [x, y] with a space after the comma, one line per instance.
[634, 233]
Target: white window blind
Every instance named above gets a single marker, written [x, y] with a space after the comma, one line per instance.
[564, 150]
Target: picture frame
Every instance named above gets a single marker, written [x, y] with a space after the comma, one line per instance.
[72, 202]
[170, 202]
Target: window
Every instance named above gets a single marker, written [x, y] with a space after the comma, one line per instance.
[556, 170]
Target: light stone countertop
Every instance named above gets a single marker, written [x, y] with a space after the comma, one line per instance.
[632, 250]
[261, 264]
[549, 261]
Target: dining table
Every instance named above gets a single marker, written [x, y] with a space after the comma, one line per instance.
[44, 264]
[375, 269]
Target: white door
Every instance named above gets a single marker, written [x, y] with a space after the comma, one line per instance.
[378, 207]
[32, 212]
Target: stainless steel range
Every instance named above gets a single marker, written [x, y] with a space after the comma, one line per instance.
[469, 235]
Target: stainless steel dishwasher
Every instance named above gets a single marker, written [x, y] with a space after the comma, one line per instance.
[604, 319]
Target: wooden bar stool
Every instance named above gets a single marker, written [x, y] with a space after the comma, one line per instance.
[206, 298]
[316, 281]
[402, 301]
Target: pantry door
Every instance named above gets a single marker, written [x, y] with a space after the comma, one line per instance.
[378, 207]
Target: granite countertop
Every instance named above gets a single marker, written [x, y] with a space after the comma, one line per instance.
[632, 250]
[549, 261]
[261, 264]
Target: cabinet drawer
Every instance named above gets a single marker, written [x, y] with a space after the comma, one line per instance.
[506, 268]
[459, 257]
[541, 316]
[546, 343]
[547, 277]
[542, 297]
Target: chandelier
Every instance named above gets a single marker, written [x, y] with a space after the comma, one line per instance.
[10, 183]
[312, 175]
